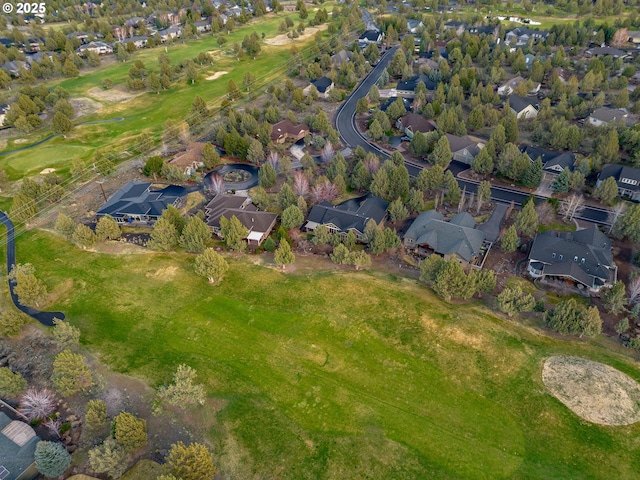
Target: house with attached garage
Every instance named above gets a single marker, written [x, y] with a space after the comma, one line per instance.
[258, 224]
[369, 36]
[523, 107]
[101, 48]
[606, 51]
[606, 116]
[140, 202]
[17, 447]
[323, 85]
[286, 130]
[456, 27]
[583, 257]
[457, 238]
[521, 35]
[349, 216]
[412, 123]
[552, 162]
[414, 26]
[464, 149]
[509, 87]
[484, 30]
[627, 178]
[138, 42]
[169, 33]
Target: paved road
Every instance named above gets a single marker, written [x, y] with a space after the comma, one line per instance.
[45, 318]
[346, 126]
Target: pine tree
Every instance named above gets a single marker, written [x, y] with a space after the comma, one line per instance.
[61, 124]
[292, 217]
[195, 236]
[526, 221]
[267, 176]
[129, 431]
[283, 254]
[533, 176]
[233, 233]
[211, 265]
[110, 458]
[441, 154]
[52, 458]
[70, 373]
[607, 191]
[512, 300]
[65, 226]
[397, 210]
[483, 162]
[107, 228]
[164, 236]
[562, 182]
[192, 462]
[510, 240]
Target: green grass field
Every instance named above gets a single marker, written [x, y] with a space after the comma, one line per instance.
[333, 375]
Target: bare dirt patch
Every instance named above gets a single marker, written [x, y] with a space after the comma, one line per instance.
[216, 75]
[595, 392]
[166, 273]
[85, 106]
[284, 40]
[116, 94]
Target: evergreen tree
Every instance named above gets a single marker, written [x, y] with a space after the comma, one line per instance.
[561, 182]
[321, 235]
[512, 300]
[129, 431]
[441, 154]
[84, 236]
[286, 197]
[533, 176]
[108, 229]
[52, 458]
[607, 191]
[267, 176]
[164, 236]
[109, 458]
[192, 462]
[614, 298]
[233, 233]
[483, 162]
[70, 373]
[510, 240]
[283, 254]
[195, 236]
[61, 124]
[397, 210]
[292, 217]
[526, 221]
[211, 265]
[65, 226]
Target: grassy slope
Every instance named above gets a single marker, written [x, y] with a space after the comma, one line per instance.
[338, 375]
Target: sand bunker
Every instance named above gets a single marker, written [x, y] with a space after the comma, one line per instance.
[85, 106]
[284, 40]
[593, 391]
[116, 94]
[216, 75]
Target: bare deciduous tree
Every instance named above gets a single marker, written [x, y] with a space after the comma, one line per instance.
[620, 38]
[372, 164]
[324, 192]
[300, 184]
[463, 198]
[633, 291]
[273, 159]
[37, 404]
[615, 213]
[546, 213]
[327, 152]
[217, 185]
[571, 206]
[53, 424]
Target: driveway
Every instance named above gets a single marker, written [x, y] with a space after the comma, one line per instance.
[492, 226]
[45, 318]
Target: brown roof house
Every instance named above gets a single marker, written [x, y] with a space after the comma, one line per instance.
[190, 160]
[259, 224]
[285, 129]
[412, 123]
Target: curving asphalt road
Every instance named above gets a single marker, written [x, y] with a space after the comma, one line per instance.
[45, 318]
[351, 136]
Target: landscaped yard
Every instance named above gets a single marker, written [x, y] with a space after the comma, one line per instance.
[330, 374]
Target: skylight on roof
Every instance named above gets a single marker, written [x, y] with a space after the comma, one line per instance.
[4, 473]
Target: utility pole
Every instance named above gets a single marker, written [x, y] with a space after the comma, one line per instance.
[100, 182]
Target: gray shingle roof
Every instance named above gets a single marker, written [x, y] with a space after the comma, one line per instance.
[519, 103]
[136, 198]
[457, 236]
[619, 172]
[584, 255]
[550, 158]
[352, 214]
[606, 114]
[15, 458]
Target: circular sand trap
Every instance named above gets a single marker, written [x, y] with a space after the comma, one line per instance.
[593, 391]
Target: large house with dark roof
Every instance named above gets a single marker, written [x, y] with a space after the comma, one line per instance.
[137, 202]
[552, 162]
[412, 123]
[351, 215]
[17, 447]
[457, 238]
[323, 85]
[464, 149]
[285, 130]
[408, 87]
[523, 107]
[522, 35]
[627, 178]
[259, 224]
[583, 256]
[369, 36]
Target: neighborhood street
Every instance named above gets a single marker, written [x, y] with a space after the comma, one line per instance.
[346, 127]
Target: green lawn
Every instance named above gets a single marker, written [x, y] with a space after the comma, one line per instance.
[338, 375]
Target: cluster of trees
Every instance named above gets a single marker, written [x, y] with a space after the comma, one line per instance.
[571, 318]
[449, 280]
[106, 229]
[30, 102]
[173, 230]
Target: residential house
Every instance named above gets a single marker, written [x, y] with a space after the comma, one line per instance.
[521, 35]
[137, 202]
[627, 178]
[83, 37]
[523, 107]
[509, 86]
[414, 26]
[4, 108]
[456, 27]
[139, 41]
[259, 224]
[101, 48]
[369, 36]
[169, 34]
[202, 26]
[134, 22]
[553, 162]
[484, 30]
[13, 67]
[607, 116]
[323, 85]
[17, 447]
[37, 56]
[285, 130]
[349, 216]
[342, 57]
[606, 51]
[633, 36]
[583, 256]
[425, 60]
[407, 102]
[562, 74]
[190, 160]
[412, 123]
[457, 238]
[464, 149]
[408, 87]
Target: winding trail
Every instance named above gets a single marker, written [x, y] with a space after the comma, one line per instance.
[53, 135]
[45, 318]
